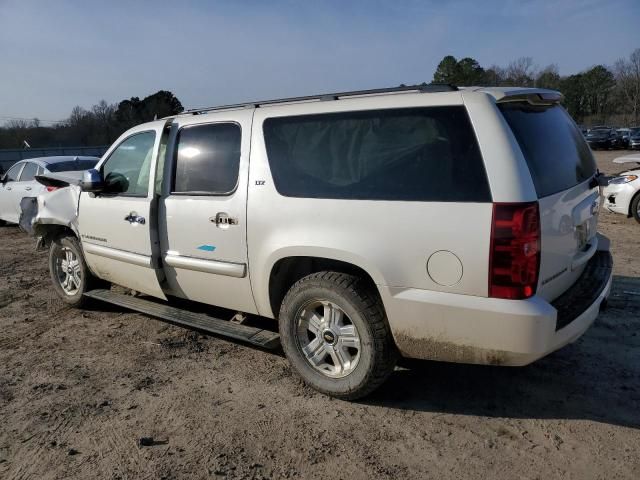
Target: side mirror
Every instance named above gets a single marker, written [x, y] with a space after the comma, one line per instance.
[92, 181]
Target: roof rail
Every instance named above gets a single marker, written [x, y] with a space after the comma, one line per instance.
[424, 88]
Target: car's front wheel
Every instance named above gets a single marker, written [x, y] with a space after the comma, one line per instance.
[69, 272]
[335, 334]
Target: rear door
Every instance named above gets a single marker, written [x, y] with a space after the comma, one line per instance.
[562, 169]
[203, 209]
[27, 186]
[119, 230]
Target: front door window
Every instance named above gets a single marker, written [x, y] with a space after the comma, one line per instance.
[126, 171]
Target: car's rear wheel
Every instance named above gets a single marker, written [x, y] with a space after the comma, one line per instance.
[635, 207]
[69, 272]
[335, 334]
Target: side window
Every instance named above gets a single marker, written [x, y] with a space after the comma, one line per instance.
[12, 174]
[412, 154]
[126, 171]
[207, 159]
[29, 172]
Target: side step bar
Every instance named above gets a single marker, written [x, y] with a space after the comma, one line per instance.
[184, 318]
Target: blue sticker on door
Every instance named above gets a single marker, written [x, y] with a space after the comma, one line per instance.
[207, 248]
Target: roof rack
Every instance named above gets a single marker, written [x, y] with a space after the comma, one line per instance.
[424, 88]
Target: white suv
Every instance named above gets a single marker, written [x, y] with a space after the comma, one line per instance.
[430, 222]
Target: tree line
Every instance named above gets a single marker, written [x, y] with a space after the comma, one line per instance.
[102, 124]
[598, 95]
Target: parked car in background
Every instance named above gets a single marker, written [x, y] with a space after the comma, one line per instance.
[622, 195]
[634, 138]
[602, 138]
[19, 181]
[623, 134]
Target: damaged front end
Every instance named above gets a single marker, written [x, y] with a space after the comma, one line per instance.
[49, 214]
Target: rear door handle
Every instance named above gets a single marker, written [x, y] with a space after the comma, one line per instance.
[223, 220]
[27, 188]
[134, 218]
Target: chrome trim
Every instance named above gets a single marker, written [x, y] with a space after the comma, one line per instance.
[121, 255]
[238, 270]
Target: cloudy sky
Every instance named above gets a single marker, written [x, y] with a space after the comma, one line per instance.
[57, 54]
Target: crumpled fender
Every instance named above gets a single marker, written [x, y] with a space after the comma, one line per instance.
[57, 208]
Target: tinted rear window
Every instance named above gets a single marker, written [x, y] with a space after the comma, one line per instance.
[416, 154]
[72, 166]
[554, 148]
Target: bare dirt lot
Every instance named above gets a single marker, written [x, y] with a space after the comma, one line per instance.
[78, 389]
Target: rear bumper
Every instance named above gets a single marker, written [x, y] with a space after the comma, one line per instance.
[467, 329]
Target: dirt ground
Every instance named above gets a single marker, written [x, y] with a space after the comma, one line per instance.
[78, 389]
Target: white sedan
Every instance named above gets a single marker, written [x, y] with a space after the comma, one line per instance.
[19, 181]
[622, 195]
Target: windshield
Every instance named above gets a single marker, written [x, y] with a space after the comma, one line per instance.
[72, 166]
[635, 131]
[555, 150]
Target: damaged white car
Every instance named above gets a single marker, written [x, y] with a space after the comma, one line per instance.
[20, 181]
[622, 195]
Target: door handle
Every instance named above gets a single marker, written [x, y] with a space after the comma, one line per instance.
[27, 189]
[134, 218]
[8, 188]
[223, 220]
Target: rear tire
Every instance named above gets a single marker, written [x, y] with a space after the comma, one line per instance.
[69, 272]
[334, 331]
[635, 207]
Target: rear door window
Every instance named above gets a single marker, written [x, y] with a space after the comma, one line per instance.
[207, 159]
[412, 154]
[554, 148]
[29, 172]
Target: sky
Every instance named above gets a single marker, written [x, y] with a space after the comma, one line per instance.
[58, 54]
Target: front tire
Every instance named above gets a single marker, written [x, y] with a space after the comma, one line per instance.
[334, 331]
[69, 272]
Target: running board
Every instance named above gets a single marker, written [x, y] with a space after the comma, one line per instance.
[185, 318]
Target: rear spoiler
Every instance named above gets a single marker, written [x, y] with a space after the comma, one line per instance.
[56, 180]
[549, 97]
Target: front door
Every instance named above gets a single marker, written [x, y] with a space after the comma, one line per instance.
[203, 210]
[9, 194]
[119, 229]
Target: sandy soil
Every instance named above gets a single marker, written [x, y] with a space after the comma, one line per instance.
[78, 389]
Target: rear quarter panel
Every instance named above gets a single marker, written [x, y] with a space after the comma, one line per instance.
[391, 240]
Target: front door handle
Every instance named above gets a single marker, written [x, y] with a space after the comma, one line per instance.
[28, 189]
[134, 218]
[8, 188]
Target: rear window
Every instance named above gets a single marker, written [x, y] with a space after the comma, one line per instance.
[414, 154]
[72, 166]
[554, 148]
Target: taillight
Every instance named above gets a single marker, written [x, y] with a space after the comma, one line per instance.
[514, 261]
[52, 189]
